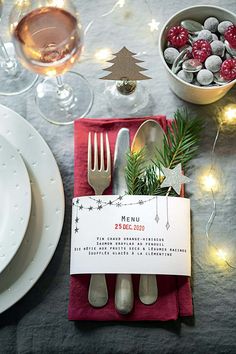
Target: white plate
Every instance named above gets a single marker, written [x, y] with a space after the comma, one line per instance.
[15, 201]
[47, 212]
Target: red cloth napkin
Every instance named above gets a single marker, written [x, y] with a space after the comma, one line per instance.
[175, 298]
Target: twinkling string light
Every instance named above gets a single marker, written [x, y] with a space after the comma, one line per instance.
[119, 3]
[209, 180]
[154, 24]
[103, 54]
[210, 183]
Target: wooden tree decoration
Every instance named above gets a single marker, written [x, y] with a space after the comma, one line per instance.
[125, 67]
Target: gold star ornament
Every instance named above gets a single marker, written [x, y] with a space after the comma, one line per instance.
[174, 178]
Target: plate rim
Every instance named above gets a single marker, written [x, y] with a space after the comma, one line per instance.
[22, 293]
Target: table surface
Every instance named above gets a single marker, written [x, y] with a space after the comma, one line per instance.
[38, 323]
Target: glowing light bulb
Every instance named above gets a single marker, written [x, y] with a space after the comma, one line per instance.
[228, 116]
[121, 3]
[154, 25]
[221, 254]
[103, 54]
[209, 182]
[230, 113]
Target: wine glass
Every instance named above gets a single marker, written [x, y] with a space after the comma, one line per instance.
[13, 77]
[48, 39]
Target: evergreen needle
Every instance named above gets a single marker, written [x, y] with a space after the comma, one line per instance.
[179, 146]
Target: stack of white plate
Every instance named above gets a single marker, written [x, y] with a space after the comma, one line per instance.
[31, 206]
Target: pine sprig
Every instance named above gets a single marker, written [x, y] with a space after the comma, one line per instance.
[179, 146]
[151, 179]
[134, 171]
[180, 142]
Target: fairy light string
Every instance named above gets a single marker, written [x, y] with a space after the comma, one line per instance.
[154, 24]
[119, 3]
[103, 54]
[227, 117]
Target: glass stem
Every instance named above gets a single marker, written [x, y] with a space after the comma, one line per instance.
[9, 64]
[65, 94]
[60, 83]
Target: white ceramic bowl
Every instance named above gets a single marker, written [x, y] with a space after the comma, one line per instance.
[186, 91]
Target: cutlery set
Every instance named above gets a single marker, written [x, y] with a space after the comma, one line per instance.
[149, 135]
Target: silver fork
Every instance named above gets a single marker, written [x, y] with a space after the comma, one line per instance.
[99, 178]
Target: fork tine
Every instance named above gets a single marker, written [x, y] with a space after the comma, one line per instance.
[89, 152]
[95, 152]
[108, 169]
[101, 152]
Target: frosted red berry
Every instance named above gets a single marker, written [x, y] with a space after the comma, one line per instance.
[201, 50]
[230, 36]
[177, 36]
[228, 69]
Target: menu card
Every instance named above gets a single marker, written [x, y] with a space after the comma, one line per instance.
[131, 234]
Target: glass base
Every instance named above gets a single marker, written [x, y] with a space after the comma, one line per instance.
[126, 104]
[14, 79]
[62, 107]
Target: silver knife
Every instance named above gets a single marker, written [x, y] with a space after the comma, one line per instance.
[124, 295]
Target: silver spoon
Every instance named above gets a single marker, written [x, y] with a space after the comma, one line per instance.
[218, 79]
[192, 65]
[230, 50]
[149, 136]
[179, 60]
[192, 26]
[192, 39]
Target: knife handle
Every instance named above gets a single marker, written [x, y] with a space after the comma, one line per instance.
[98, 293]
[148, 291]
[124, 294]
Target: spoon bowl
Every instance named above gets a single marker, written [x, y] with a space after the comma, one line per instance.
[149, 136]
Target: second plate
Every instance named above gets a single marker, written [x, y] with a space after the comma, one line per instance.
[15, 201]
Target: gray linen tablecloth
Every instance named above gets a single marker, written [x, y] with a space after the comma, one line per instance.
[38, 323]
